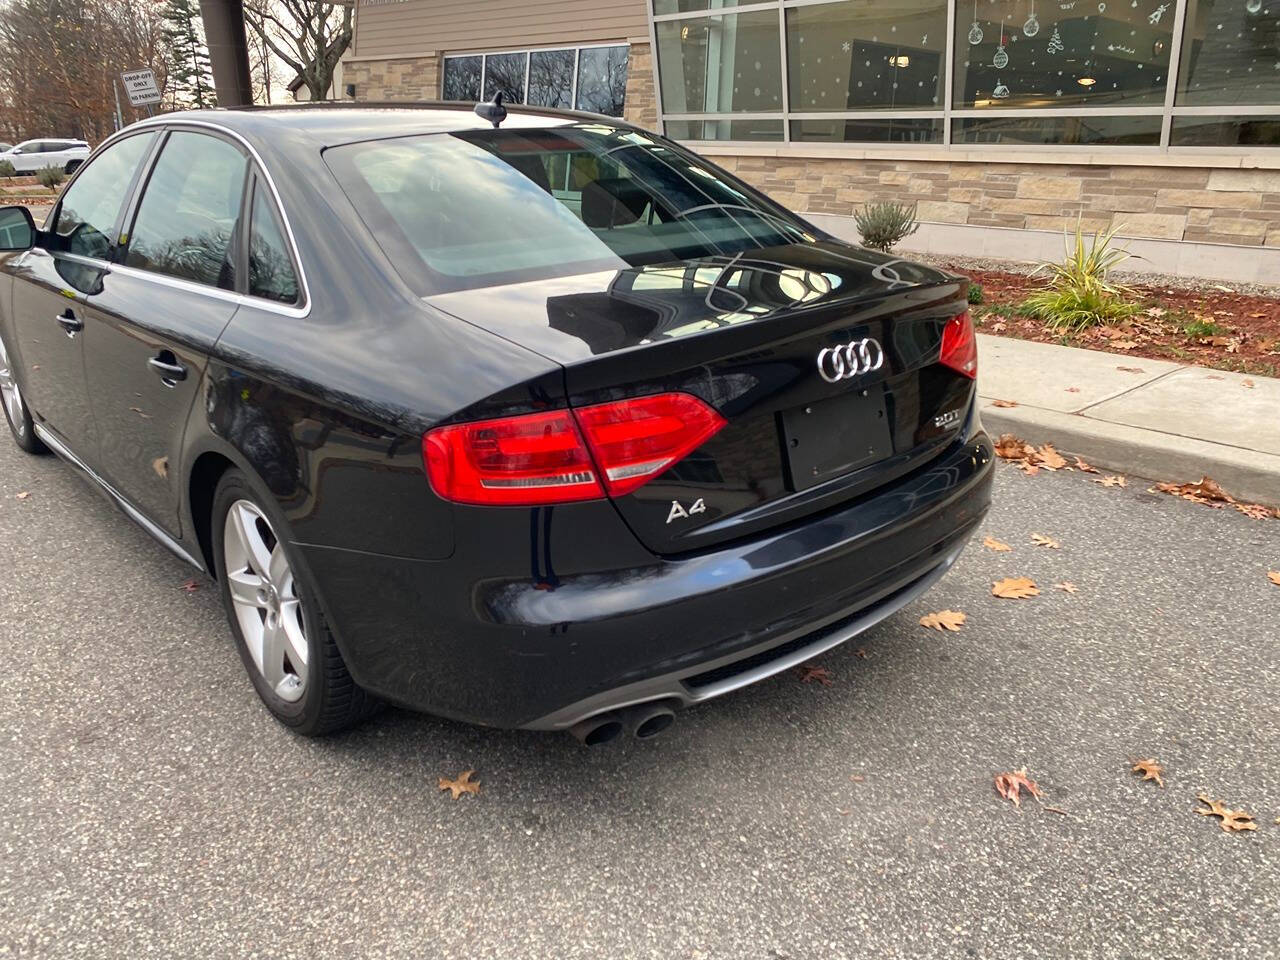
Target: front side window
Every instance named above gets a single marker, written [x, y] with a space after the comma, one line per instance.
[476, 209]
[271, 273]
[189, 210]
[86, 217]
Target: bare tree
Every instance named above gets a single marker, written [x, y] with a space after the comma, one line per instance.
[308, 36]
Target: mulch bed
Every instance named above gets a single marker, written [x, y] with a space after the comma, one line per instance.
[1212, 326]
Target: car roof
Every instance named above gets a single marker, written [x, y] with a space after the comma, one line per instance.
[331, 124]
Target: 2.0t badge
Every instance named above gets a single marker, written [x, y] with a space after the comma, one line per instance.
[851, 360]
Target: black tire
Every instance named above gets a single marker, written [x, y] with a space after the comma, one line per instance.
[22, 427]
[73, 166]
[331, 700]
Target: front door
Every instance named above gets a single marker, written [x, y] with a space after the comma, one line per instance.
[158, 314]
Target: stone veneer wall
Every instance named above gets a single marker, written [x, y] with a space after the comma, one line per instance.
[1173, 203]
[402, 78]
[642, 103]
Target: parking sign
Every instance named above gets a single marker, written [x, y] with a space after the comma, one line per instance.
[140, 86]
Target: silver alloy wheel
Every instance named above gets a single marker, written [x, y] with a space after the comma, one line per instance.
[265, 598]
[11, 395]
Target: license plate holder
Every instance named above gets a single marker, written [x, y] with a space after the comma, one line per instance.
[836, 436]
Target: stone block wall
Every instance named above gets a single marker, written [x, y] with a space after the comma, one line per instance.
[1173, 203]
[642, 103]
[402, 78]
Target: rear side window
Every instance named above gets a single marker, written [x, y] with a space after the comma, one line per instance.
[87, 216]
[186, 223]
[271, 273]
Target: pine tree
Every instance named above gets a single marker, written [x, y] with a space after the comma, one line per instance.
[190, 70]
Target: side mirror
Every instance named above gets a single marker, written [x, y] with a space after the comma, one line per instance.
[16, 150]
[17, 229]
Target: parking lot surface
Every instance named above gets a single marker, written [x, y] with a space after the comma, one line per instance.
[152, 808]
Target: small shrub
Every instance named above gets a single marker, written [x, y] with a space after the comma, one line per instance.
[51, 177]
[975, 293]
[6, 169]
[884, 225]
[1202, 327]
[1079, 294]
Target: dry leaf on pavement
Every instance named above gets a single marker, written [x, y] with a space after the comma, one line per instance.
[1050, 458]
[821, 674]
[1015, 588]
[1009, 784]
[1042, 541]
[1009, 447]
[1247, 383]
[1073, 389]
[1085, 467]
[1210, 493]
[1150, 770]
[1004, 403]
[23, 495]
[1232, 820]
[991, 543]
[1067, 587]
[463, 784]
[1111, 481]
[1131, 370]
[861, 653]
[1274, 577]
[190, 586]
[944, 620]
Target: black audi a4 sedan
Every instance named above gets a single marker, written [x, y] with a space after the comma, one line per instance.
[548, 423]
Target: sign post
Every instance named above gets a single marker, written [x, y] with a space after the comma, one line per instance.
[140, 87]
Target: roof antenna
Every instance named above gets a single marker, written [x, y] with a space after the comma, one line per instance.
[493, 111]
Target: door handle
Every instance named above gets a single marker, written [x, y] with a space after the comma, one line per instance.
[71, 324]
[166, 366]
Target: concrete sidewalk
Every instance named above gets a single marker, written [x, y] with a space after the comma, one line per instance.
[1151, 418]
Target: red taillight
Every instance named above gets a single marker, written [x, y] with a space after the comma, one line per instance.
[565, 455]
[960, 346]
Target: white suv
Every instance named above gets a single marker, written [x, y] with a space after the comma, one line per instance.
[32, 155]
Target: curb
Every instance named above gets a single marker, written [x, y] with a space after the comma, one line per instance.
[1246, 474]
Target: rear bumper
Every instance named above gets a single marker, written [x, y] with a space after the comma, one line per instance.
[522, 652]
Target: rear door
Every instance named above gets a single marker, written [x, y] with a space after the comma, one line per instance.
[53, 282]
[158, 313]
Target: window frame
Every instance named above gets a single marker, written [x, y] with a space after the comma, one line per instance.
[946, 111]
[528, 57]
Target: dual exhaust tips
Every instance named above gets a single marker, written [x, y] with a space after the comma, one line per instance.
[644, 720]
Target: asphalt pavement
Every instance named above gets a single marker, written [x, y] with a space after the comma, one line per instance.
[152, 809]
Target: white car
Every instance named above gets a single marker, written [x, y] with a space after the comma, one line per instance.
[32, 155]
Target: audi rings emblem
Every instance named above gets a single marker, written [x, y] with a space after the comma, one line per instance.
[851, 360]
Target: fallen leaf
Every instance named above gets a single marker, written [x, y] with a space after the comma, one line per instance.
[190, 586]
[1004, 403]
[1067, 586]
[1009, 785]
[1085, 467]
[861, 653]
[1247, 383]
[1274, 577]
[463, 784]
[1256, 511]
[999, 326]
[1042, 541]
[1050, 458]
[821, 674]
[857, 778]
[1009, 447]
[944, 620]
[1131, 370]
[1255, 316]
[1232, 820]
[1214, 376]
[1029, 468]
[138, 411]
[991, 543]
[1218, 286]
[1015, 588]
[1073, 389]
[1111, 481]
[1124, 344]
[23, 495]
[1156, 312]
[1150, 770]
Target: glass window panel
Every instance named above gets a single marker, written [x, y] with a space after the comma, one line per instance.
[270, 266]
[602, 79]
[684, 6]
[86, 218]
[864, 54]
[887, 130]
[1225, 132]
[1100, 131]
[1040, 55]
[462, 78]
[551, 78]
[724, 129]
[1230, 53]
[720, 64]
[189, 211]
[505, 72]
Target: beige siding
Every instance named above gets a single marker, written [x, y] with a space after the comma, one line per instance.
[452, 26]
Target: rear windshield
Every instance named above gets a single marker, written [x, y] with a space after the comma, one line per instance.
[481, 208]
